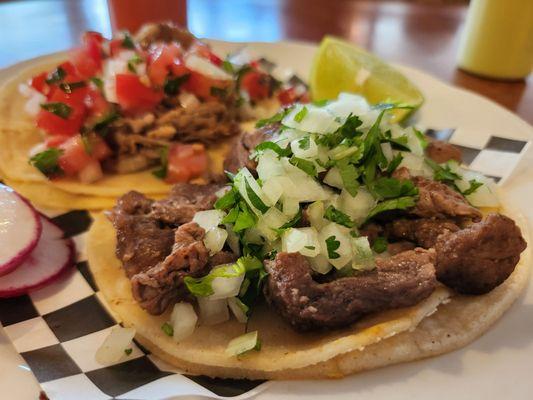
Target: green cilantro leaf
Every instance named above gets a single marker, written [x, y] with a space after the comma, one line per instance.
[332, 244]
[442, 173]
[320, 103]
[71, 86]
[168, 329]
[305, 165]
[274, 147]
[202, 287]
[300, 115]
[338, 217]
[127, 42]
[57, 76]
[133, 62]
[423, 140]
[97, 82]
[395, 162]
[275, 118]
[128, 351]
[161, 172]
[226, 201]
[380, 244]
[388, 188]
[474, 185]
[62, 110]
[400, 203]
[218, 92]
[172, 85]
[254, 198]
[245, 218]
[349, 175]
[101, 125]
[47, 161]
[304, 143]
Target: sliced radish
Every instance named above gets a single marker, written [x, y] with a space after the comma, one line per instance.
[50, 258]
[20, 229]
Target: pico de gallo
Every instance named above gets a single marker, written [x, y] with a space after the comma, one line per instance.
[146, 101]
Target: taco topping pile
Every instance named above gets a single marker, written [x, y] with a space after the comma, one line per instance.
[156, 100]
[331, 213]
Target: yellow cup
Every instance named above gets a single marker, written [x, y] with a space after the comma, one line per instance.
[497, 41]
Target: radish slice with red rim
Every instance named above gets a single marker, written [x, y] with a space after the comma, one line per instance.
[51, 257]
[20, 229]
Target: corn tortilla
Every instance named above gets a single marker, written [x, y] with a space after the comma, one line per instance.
[384, 339]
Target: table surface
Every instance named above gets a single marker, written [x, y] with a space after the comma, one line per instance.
[425, 36]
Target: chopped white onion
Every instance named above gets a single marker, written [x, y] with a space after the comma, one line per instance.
[290, 206]
[386, 148]
[233, 240]
[214, 240]
[483, 196]
[317, 119]
[208, 219]
[315, 214]
[188, 100]
[225, 286]
[363, 258]
[309, 152]
[320, 264]
[114, 346]
[302, 240]
[239, 309]
[416, 165]
[272, 219]
[35, 99]
[333, 178]
[206, 68]
[356, 207]
[341, 234]
[273, 189]
[213, 312]
[242, 344]
[347, 104]
[183, 320]
[244, 178]
[269, 165]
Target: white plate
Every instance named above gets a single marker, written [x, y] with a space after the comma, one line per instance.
[498, 365]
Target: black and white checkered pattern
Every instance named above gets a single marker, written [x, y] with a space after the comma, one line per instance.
[493, 156]
[58, 329]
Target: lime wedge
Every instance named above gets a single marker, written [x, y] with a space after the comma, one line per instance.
[340, 66]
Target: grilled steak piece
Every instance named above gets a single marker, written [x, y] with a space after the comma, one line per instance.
[400, 247]
[441, 152]
[243, 145]
[184, 201]
[424, 232]
[480, 257]
[142, 241]
[162, 285]
[155, 255]
[400, 281]
[436, 200]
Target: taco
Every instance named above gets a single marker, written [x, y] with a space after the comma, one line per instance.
[133, 112]
[343, 242]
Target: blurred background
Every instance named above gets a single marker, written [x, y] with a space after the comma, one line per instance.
[421, 33]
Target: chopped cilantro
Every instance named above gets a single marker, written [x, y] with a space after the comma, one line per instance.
[395, 162]
[62, 110]
[172, 85]
[349, 174]
[349, 128]
[167, 329]
[332, 244]
[97, 82]
[304, 143]
[71, 86]
[202, 287]
[474, 185]
[300, 115]
[389, 188]
[274, 147]
[133, 62]
[338, 217]
[127, 42]
[380, 244]
[101, 125]
[320, 103]
[218, 92]
[231, 217]
[305, 165]
[310, 247]
[245, 219]
[47, 161]
[57, 76]
[400, 203]
[254, 198]
[161, 172]
[129, 351]
[443, 173]
[289, 224]
[226, 201]
[228, 66]
[423, 140]
[275, 118]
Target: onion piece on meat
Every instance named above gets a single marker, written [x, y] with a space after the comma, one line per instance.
[114, 346]
[302, 240]
[363, 258]
[208, 219]
[335, 244]
[213, 312]
[205, 67]
[214, 240]
[183, 320]
[227, 281]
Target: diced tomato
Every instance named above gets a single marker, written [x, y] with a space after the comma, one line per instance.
[56, 125]
[287, 96]
[162, 58]
[178, 68]
[185, 162]
[96, 103]
[55, 140]
[201, 85]
[88, 58]
[115, 46]
[133, 96]
[74, 157]
[38, 82]
[257, 84]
